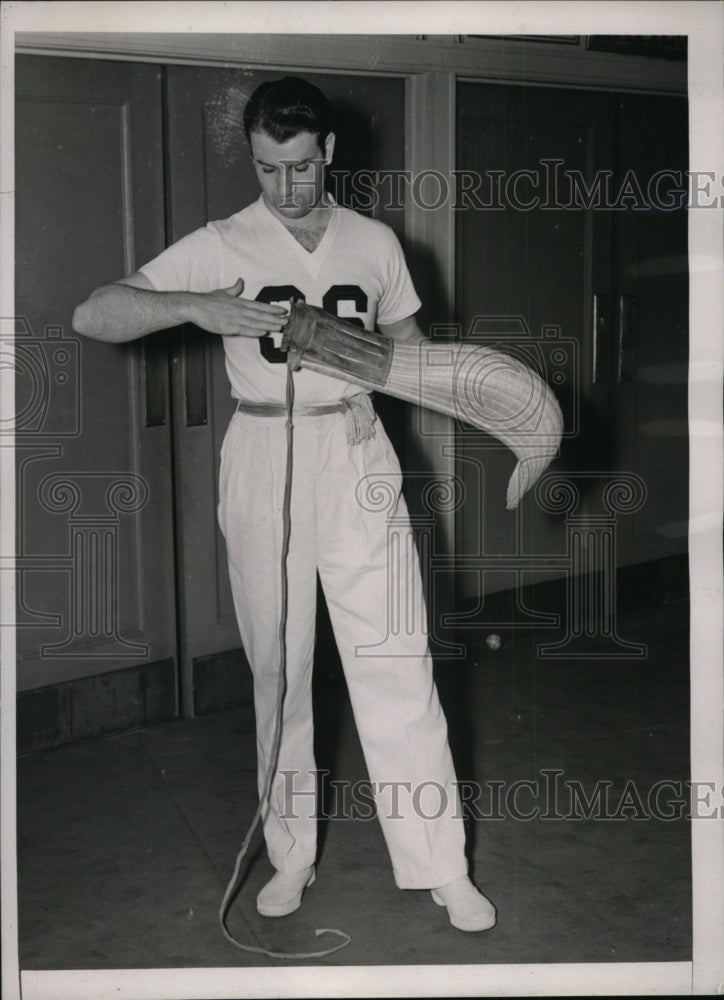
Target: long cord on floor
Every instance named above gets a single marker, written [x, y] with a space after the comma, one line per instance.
[233, 885]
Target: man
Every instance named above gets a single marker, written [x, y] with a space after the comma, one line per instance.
[235, 278]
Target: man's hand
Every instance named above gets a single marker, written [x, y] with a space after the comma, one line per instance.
[225, 312]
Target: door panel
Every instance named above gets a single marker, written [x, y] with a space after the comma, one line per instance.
[95, 539]
[529, 267]
[652, 322]
[211, 177]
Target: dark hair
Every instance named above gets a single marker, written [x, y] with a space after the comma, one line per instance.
[284, 108]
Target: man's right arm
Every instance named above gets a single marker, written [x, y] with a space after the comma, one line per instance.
[131, 308]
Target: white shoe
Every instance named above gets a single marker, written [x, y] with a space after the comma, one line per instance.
[283, 893]
[468, 909]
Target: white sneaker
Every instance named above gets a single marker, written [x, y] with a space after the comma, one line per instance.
[468, 909]
[283, 893]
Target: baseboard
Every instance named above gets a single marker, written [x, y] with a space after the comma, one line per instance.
[90, 707]
[222, 682]
[653, 584]
[638, 587]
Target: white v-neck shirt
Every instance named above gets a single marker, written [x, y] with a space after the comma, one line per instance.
[357, 272]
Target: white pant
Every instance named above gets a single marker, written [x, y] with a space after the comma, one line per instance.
[341, 531]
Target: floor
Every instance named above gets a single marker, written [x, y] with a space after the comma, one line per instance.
[126, 844]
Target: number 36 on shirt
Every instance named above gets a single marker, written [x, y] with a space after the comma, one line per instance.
[269, 345]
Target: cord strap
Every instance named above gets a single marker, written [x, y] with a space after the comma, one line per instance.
[233, 885]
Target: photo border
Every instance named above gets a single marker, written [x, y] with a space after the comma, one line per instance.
[702, 22]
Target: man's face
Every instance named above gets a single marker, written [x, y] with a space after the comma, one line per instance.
[291, 173]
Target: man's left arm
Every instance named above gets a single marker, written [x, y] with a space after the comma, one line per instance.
[405, 331]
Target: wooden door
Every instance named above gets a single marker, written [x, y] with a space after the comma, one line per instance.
[533, 264]
[210, 177]
[95, 532]
[581, 240]
[649, 374]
